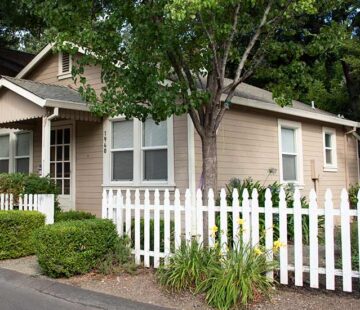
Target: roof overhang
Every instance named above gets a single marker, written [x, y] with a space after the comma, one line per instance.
[250, 103]
[43, 102]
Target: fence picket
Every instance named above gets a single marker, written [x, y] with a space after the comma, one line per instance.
[358, 225]
[177, 215]
[136, 224]
[269, 235]
[21, 206]
[119, 213]
[329, 241]
[26, 205]
[245, 226]
[254, 218]
[345, 241]
[110, 205]
[313, 242]
[147, 228]
[36, 202]
[11, 206]
[157, 228]
[103, 203]
[283, 238]
[167, 225]
[212, 229]
[2, 201]
[128, 213]
[298, 236]
[188, 224]
[199, 217]
[7, 202]
[223, 221]
[236, 217]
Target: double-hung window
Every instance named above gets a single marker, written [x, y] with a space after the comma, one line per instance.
[290, 152]
[22, 152]
[4, 153]
[140, 153]
[16, 152]
[330, 157]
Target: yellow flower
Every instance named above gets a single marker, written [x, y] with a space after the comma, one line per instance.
[278, 244]
[214, 230]
[258, 251]
[240, 221]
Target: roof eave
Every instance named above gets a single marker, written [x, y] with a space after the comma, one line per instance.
[70, 105]
[292, 111]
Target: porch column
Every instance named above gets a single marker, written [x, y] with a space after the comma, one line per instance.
[45, 146]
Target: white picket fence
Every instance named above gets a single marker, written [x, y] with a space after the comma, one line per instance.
[127, 214]
[43, 203]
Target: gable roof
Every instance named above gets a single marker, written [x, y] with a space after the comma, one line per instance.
[12, 61]
[245, 95]
[45, 95]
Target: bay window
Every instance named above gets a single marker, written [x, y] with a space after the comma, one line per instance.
[140, 153]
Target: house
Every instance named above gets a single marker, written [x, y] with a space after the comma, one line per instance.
[47, 129]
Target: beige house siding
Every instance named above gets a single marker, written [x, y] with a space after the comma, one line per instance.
[248, 146]
[89, 167]
[37, 142]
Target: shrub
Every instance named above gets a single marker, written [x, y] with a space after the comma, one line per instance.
[61, 216]
[354, 245]
[119, 259]
[16, 228]
[19, 184]
[188, 267]
[353, 191]
[74, 247]
[275, 190]
[240, 278]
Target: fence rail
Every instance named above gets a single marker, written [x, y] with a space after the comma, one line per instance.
[158, 228]
[43, 203]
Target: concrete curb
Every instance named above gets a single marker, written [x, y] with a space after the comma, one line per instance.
[70, 293]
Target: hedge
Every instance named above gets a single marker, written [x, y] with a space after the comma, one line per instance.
[16, 229]
[61, 216]
[74, 247]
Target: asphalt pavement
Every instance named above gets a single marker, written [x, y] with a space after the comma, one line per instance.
[23, 292]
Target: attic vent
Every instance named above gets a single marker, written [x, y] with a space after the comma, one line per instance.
[64, 64]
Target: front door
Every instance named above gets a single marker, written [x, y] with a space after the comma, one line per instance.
[61, 163]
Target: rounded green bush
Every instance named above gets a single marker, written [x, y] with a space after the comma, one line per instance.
[74, 247]
[16, 229]
[61, 216]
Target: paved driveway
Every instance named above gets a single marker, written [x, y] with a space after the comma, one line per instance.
[22, 292]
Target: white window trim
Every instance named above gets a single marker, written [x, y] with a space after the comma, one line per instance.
[299, 159]
[330, 167]
[12, 149]
[138, 180]
[64, 75]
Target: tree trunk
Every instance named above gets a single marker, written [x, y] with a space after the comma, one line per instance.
[209, 156]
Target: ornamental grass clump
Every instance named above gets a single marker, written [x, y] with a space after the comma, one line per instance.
[188, 267]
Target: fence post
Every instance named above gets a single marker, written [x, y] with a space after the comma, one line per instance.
[46, 206]
[345, 242]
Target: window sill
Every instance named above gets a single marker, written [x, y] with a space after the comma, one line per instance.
[330, 169]
[64, 76]
[151, 186]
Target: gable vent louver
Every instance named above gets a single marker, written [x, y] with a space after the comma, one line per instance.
[65, 63]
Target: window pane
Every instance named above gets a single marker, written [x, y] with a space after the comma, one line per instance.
[52, 170]
[4, 146]
[59, 138]
[59, 172]
[67, 135]
[156, 165]
[288, 140]
[59, 153]
[154, 135]
[289, 168]
[66, 152]
[23, 144]
[52, 153]
[122, 134]
[66, 170]
[328, 155]
[4, 166]
[22, 165]
[328, 140]
[59, 186]
[122, 165]
[67, 187]
[52, 137]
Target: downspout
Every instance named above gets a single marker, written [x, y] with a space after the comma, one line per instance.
[54, 115]
[352, 131]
